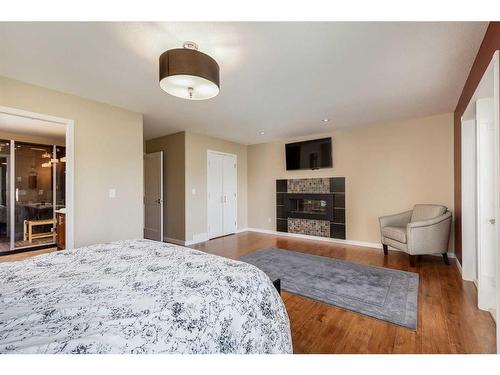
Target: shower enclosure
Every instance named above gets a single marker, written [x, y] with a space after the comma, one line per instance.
[32, 183]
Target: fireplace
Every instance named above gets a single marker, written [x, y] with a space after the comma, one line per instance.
[309, 206]
[313, 206]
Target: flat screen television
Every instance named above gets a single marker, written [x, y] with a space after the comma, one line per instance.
[313, 154]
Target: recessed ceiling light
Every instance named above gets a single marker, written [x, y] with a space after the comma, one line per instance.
[262, 133]
[325, 120]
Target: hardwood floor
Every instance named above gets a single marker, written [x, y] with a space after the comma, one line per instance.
[448, 319]
[5, 246]
[24, 255]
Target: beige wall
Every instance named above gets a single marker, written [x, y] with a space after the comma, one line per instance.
[197, 146]
[31, 138]
[388, 168]
[185, 169]
[173, 147]
[108, 154]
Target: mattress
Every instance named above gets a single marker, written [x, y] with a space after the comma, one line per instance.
[139, 296]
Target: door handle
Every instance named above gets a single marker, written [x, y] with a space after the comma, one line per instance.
[158, 201]
[492, 221]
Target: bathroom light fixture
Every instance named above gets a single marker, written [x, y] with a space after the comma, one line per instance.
[188, 73]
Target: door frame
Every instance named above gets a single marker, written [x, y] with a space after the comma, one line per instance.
[162, 198]
[496, 119]
[493, 66]
[70, 164]
[209, 151]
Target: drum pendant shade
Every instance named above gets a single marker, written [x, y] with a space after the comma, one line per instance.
[189, 74]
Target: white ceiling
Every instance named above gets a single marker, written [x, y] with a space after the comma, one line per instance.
[281, 78]
[28, 126]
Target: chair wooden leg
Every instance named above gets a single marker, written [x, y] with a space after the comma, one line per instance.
[412, 260]
[445, 258]
[385, 249]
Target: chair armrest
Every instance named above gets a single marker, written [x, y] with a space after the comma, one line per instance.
[429, 236]
[396, 220]
[426, 223]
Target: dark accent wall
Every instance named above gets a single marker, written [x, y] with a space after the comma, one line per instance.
[490, 44]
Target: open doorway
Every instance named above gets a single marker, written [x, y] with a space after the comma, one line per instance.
[153, 196]
[481, 189]
[36, 189]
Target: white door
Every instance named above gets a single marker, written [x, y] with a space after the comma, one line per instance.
[221, 194]
[153, 196]
[215, 194]
[469, 230]
[230, 181]
[487, 192]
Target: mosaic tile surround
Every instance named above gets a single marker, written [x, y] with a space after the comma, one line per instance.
[309, 185]
[308, 226]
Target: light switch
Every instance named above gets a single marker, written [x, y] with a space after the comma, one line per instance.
[193, 191]
[112, 193]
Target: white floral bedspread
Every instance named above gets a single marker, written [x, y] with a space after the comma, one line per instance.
[139, 296]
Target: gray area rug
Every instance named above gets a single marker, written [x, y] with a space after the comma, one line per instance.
[381, 293]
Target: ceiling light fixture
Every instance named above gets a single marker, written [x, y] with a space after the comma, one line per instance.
[188, 73]
[325, 120]
[262, 133]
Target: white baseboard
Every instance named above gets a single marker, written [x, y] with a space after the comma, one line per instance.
[493, 313]
[459, 266]
[184, 243]
[174, 241]
[203, 237]
[373, 245]
[317, 238]
[198, 238]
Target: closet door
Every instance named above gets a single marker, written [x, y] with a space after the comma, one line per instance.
[230, 180]
[215, 194]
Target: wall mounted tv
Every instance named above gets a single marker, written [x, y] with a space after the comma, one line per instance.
[313, 154]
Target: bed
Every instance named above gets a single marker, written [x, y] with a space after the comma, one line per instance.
[139, 296]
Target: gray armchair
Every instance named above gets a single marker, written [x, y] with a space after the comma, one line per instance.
[423, 230]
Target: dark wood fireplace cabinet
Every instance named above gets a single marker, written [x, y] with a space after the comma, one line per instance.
[312, 206]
